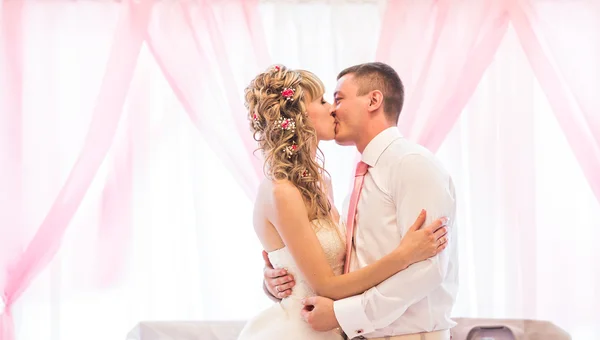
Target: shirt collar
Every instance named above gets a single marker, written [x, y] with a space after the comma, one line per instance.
[378, 145]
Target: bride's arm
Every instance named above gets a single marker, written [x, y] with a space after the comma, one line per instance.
[290, 218]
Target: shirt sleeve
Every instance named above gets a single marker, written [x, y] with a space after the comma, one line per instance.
[416, 183]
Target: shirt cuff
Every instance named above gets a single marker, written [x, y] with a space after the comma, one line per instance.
[351, 316]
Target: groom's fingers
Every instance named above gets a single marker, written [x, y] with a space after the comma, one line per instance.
[279, 283]
[309, 306]
[267, 260]
[306, 314]
[309, 301]
[420, 220]
[286, 287]
[271, 273]
[282, 280]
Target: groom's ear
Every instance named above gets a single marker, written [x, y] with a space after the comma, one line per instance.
[375, 100]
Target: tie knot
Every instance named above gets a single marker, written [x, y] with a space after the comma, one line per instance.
[361, 169]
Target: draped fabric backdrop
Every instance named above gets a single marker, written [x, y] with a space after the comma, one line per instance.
[127, 172]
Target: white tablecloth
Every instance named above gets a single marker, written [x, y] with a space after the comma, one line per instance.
[229, 330]
[186, 330]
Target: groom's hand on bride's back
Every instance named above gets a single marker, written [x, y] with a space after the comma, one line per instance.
[278, 282]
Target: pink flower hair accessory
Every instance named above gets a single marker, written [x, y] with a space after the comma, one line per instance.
[288, 93]
[290, 150]
[286, 124]
[255, 121]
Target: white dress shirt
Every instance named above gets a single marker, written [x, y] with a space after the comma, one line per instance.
[402, 179]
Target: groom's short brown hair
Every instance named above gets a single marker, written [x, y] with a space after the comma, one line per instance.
[382, 77]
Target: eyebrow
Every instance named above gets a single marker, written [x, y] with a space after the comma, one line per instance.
[336, 93]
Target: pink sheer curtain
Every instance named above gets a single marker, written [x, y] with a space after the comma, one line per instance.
[11, 163]
[220, 121]
[115, 218]
[527, 247]
[208, 50]
[563, 50]
[34, 254]
[440, 49]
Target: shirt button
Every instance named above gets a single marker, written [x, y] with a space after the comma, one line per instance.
[359, 331]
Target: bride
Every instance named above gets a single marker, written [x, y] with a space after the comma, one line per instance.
[293, 217]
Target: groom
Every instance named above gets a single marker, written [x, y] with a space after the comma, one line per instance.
[394, 181]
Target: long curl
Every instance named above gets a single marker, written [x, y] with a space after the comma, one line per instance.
[286, 150]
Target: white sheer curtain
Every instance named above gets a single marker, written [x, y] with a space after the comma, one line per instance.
[325, 37]
[528, 220]
[527, 216]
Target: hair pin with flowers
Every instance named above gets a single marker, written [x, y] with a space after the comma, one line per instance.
[286, 124]
[290, 150]
[288, 93]
[276, 68]
[255, 121]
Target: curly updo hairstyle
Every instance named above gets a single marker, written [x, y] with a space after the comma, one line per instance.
[276, 101]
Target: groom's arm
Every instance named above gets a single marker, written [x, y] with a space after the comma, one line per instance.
[416, 183]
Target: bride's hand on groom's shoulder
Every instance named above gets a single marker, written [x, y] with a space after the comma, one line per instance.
[277, 281]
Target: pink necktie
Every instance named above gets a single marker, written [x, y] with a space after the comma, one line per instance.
[359, 176]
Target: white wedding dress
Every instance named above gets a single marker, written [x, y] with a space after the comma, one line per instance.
[283, 320]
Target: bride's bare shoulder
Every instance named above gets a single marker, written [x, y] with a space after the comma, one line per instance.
[274, 189]
[272, 194]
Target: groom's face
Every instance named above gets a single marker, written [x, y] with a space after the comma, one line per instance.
[319, 112]
[349, 109]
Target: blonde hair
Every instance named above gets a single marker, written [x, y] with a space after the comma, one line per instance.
[267, 107]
